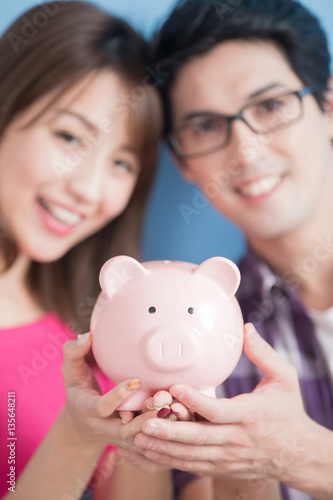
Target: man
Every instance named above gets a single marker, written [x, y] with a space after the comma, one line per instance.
[248, 110]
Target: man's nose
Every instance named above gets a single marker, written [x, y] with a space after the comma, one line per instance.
[245, 145]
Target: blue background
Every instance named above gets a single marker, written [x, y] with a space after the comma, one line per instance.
[167, 235]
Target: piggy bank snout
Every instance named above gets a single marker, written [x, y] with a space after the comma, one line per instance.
[172, 348]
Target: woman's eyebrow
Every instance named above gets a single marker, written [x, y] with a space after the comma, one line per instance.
[127, 148]
[87, 123]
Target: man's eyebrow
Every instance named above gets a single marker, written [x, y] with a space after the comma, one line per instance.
[264, 89]
[197, 114]
[78, 116]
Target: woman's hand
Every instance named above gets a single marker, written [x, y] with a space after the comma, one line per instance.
[165, 405]
[94, 415]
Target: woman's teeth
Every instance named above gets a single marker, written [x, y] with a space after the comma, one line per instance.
[260, 187]
[62, 214]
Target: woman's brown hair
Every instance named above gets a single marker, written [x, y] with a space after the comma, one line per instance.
[48, 51]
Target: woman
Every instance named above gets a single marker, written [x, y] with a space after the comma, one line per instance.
[79, 128]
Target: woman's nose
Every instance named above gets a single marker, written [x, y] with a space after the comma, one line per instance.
[85, 182]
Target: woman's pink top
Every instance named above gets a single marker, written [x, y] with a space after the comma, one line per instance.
[32, 387]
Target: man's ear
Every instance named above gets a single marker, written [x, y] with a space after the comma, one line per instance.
[183, 168]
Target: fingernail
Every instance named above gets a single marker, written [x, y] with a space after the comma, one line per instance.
[163, 412]
[251, 331]
[133, 384]
[152, 429]
[82, 338]
[172, 416]
[178, 392]
[158, 407]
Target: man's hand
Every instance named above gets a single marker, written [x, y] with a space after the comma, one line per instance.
[262, 435]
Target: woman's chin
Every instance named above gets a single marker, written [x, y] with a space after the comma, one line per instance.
[43, 254]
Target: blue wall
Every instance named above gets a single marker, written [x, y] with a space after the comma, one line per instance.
[167, 234]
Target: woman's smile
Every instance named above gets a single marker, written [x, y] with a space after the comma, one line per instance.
[57, 218]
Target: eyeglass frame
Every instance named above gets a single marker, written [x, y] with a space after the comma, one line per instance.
[174, 144]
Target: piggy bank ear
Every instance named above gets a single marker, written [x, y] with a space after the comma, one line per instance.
[118, 271]
[222, 271]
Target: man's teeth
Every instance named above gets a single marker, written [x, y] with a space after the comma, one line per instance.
[262, 186]
[65, 216]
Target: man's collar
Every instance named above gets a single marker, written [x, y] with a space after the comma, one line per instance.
[258, 277]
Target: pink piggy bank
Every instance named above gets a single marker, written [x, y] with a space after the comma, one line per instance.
[167, 322]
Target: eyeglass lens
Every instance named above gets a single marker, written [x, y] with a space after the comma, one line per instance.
[204, 134]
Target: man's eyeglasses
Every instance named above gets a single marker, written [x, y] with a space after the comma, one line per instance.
[211, 131]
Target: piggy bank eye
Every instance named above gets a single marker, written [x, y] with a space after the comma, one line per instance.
[190, 310]
[152, 310]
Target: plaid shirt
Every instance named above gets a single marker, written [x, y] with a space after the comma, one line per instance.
[279, 316]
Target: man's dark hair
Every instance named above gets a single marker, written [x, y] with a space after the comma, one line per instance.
[196, 26]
